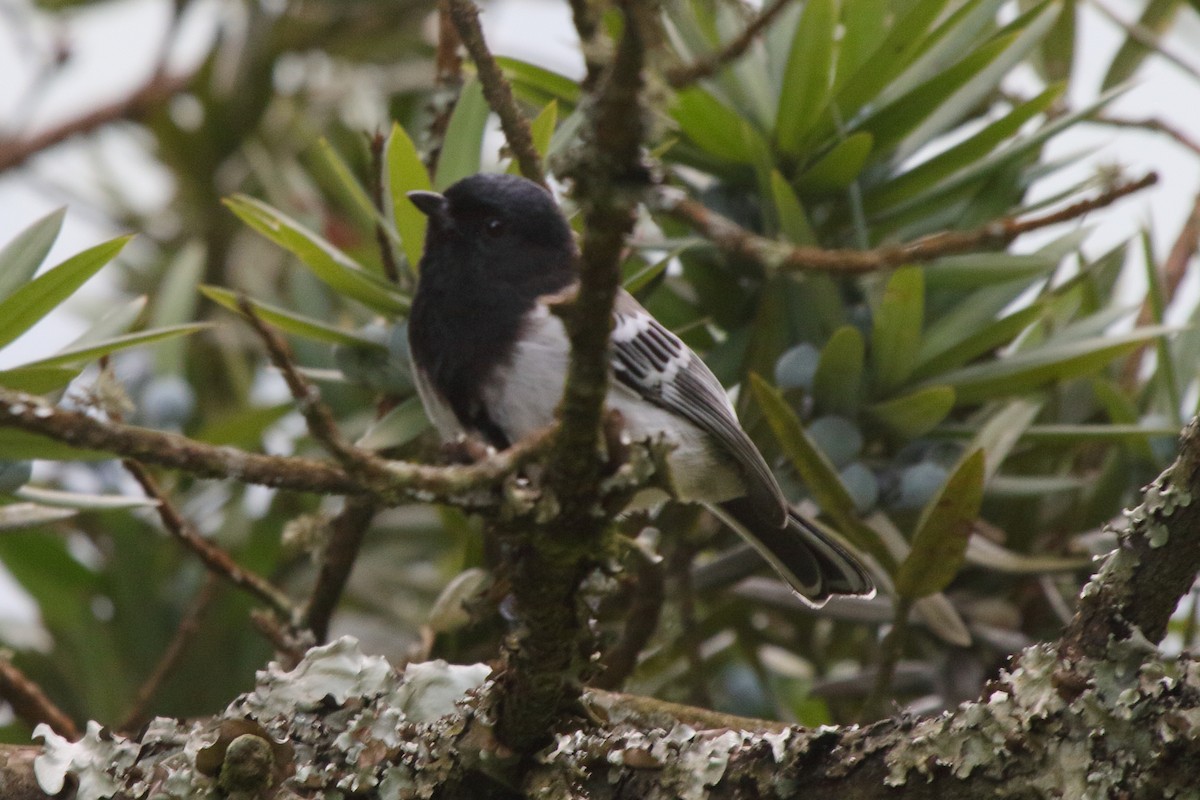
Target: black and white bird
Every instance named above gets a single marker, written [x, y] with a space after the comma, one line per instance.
[490, 360]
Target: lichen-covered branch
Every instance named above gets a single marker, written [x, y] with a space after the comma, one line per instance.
[345, 722]
[734, 240]
[1155, 563]
[548, 561]
[391, 482]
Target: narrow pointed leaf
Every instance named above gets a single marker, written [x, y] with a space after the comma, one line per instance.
[896, 335]
[405, 172]
[336, 269]
[939, 545]
[806, 79]
[21, 310]
[398, 427]
[21, 257]
[36, 380]
[82, 353]
[83, 502]
[818, 474]
[837, 169]
[915, 414]
[1027, 370]
[463, 145]
[789, 213]
[289, 321]
[837, 384]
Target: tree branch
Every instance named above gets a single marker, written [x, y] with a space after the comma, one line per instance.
[214, 558]
[337, 561]
[736, 241]
[1155, 563]
[546, 660]
[16, 151]
[465, 15]
[391, 482]
[29, 703]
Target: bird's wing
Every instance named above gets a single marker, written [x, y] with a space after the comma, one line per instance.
[653, 363]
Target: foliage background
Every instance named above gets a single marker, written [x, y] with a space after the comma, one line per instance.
[281, 110]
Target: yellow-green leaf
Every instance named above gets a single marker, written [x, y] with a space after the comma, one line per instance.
[939, 546]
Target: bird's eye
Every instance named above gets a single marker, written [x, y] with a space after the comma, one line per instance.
[493, 226]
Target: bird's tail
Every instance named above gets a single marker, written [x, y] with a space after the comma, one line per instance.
[814, 565]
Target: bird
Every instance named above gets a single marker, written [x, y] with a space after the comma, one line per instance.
[490, 358]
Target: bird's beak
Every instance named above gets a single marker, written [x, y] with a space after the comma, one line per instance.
[431, 204]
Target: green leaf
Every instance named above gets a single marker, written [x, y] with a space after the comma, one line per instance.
[290, 322]
[18, 445]
[939, 545]
[789, 213]
[37, 298]
[405, 173]
[542, 131]
[966, 154]
[79, 354]
[21, 257]
[716, 128]
[1156, 19]
[175, 300]
[806, 79]
[1028, 370]
[915, 414]
[463, 144]
[977, 342]
[1000, 434]
[538, 86]
[974, 270]
[815, 469]
[354, 197]
[336, 269]
[837, 384]
[244, 428]
[837, 169]
[36, 380]
[896, 335]
[398, 427]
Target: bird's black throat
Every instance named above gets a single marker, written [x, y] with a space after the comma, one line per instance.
[465, 322]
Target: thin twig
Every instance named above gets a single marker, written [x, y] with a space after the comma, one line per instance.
[189, 626]
[889, 656]
[214, 557]
[1153, 124]
[317, 415]
[387, 253]
[392, 482]
[30, 704]
[640, 624]
[349, 528]
[734, 240]
[685, 75]
[1174, 270]
[448, 82]
[290, 644]
[465, 15]
[16, 151]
